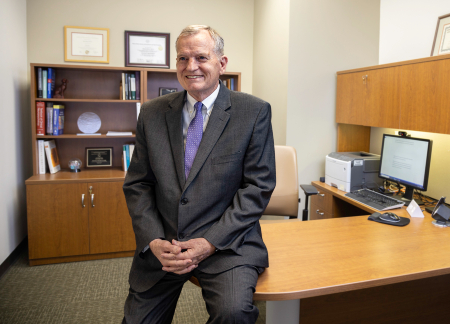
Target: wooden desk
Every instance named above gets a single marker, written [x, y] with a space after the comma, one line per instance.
[351, 270]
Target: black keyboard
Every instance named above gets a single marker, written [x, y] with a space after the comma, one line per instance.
[374, 199]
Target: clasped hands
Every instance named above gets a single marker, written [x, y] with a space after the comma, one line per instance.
[174, 260]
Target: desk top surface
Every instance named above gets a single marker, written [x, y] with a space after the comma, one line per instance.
[321, 257]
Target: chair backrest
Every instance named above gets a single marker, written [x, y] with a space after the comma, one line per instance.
[284, 200]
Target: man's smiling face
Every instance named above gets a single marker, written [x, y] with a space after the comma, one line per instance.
[198, 67]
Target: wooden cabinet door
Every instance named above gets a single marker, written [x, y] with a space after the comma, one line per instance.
[110, 228]
[425, 97]
[382, 101]
[350, 97]
[57, 222]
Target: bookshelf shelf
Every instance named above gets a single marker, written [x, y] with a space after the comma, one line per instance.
[88, 100]
[83, 136]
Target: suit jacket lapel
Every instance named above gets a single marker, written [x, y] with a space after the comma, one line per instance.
[216, 124]
[175, 128]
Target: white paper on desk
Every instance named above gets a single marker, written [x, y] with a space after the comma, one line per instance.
[414, 210]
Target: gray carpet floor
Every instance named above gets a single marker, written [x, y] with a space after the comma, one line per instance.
[82, 292]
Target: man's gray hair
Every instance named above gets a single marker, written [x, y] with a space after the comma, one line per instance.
[195, 29]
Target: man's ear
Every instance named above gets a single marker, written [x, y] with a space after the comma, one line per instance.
[223, 64]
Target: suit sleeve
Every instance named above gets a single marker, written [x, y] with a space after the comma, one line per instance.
[258, 183]
[139, 190]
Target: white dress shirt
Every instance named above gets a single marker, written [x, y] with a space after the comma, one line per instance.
[189, 111]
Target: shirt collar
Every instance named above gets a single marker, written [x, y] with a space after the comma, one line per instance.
[208, 102]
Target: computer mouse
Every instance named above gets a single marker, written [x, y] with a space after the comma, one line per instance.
[390, 217]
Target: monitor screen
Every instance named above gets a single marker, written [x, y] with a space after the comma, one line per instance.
[406, 160]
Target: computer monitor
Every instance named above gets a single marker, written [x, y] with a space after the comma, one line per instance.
[406, 160]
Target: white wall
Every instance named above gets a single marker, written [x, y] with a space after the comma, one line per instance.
[233, 19]
[270, 60]
[14, 125]
[407, 29]
[325, 36]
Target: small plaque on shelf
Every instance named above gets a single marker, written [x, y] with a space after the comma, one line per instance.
[99, 157]
[164, 91]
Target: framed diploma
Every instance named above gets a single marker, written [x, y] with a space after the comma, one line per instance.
[441, 43]
[99, 157]
[85, 44]
[144, 49]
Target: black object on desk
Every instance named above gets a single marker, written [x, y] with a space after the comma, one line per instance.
[389, 219]
[309, 190]
[374, 199]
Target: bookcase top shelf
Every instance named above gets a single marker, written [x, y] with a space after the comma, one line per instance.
[88, 100]
[86, 175]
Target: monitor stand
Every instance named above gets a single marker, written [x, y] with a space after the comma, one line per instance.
[408, 196]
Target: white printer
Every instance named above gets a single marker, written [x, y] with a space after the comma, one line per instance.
[349, 171]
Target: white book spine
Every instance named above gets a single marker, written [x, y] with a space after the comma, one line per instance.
[131, 151]
[138, 109]
[41, 152]
[125, 168]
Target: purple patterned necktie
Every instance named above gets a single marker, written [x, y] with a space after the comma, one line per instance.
[193, 138]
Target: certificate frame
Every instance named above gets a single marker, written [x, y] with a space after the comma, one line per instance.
[86, 44]
[133, 50]
[441, 42]
[92, 154]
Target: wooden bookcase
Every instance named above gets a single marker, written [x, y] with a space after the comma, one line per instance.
[61, 226]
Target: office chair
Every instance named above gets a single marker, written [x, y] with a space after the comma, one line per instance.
[284, 200]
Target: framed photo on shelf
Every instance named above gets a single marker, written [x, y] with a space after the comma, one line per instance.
[99, 157]
[441, 43]
[86, 44]
[164, 91]
[145, 49]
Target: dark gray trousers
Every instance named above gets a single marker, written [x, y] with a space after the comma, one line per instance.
[228, 296]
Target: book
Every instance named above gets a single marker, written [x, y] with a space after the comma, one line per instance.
[232, 84]
[129, 86]
[124, 159]
[40, 118]
[133, 86]
[52, 156]
[39, 82]
[126, 86]
[138, 85]
[123, 87]
[127, 150]
[131, 151]
[111, 133]
[120, 91]
[50, 72]
[49, 118]
[44, 83]
[58, 119]
[138, 109]
[41, 156]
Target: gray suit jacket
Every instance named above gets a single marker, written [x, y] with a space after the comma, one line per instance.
[222, 200]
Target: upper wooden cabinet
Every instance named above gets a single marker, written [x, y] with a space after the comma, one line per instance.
[410, 95]
[425, 97]
[369, 98]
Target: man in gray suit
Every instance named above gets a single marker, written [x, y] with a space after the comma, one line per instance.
[202, 173]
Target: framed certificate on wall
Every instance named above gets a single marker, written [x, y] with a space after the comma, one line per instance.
[86, 44]
[145, 49]
[441, 43]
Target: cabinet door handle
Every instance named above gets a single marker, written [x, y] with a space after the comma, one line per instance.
[92, 200]
[318, 212]
[82, 200]
[320, 194]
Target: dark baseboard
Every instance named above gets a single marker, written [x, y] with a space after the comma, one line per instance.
[9, 261]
